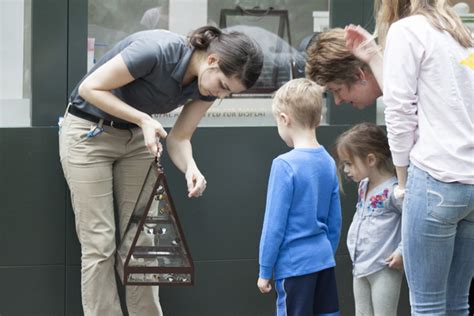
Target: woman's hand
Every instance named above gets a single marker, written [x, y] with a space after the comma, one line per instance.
[361, 43]
[152, 132]
[264, 285]
[196, 182]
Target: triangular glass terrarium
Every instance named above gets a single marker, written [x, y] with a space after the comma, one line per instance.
[153, 250]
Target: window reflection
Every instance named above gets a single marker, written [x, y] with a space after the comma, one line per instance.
[300, 13]
[282, 28]
[271, 29]
[283, 39]
[111, 21]
[465, 9]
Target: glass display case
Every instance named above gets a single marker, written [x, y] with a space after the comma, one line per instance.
[153, 250]
[271, 29]
[281, 27]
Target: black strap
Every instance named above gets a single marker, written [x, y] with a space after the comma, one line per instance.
[84, 115]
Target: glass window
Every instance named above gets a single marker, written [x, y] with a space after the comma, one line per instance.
[465, 9]
[15, 63]
[282, 28]
[112, 20]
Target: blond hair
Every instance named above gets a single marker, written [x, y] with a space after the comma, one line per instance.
[329, 60]
[302, 100]
[438, 12]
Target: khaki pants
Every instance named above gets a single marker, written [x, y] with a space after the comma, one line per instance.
[104, 171]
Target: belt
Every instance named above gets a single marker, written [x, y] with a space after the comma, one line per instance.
[84, 115]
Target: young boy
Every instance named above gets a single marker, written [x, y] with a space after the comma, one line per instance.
[302, 222]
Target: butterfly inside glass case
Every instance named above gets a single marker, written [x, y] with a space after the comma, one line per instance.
[153, 250]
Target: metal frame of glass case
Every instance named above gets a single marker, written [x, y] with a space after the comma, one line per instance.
[153, 250]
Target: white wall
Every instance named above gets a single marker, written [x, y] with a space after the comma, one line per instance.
[11, 49]
[14, 109]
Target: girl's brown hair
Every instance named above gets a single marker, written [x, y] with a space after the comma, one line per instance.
[364, 139]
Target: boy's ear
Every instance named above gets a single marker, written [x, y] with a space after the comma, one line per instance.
[284, 118]
[371, 160]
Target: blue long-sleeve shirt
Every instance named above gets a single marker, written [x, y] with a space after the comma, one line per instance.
[302, 223]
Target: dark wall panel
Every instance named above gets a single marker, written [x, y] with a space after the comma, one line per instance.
[222, 228]
[32, 291]
[231, 211]
[73, 291]
[48, 61]
[32, 212]
[222, 288]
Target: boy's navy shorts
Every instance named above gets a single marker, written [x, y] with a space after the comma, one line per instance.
[312, 294]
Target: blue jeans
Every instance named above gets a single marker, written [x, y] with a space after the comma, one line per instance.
[438, 244]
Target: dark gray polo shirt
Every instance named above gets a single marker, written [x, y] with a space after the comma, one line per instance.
[158, 60]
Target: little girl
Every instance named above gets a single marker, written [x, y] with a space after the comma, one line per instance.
[374, 239]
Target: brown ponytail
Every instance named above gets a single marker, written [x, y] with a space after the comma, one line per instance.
[239, 55]
[202, 37]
